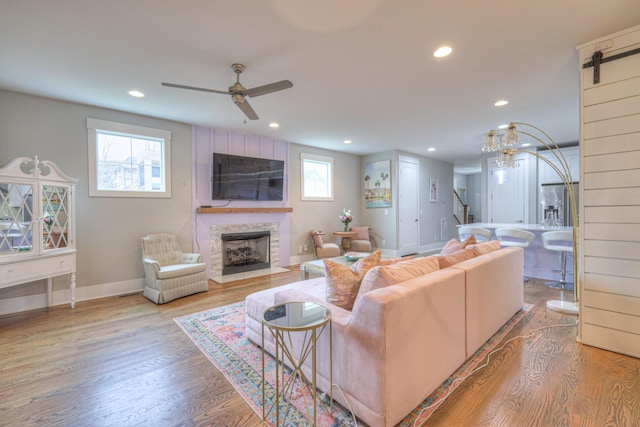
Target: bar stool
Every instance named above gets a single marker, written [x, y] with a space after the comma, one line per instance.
[482, 234]
[561, 241]
[510, 237]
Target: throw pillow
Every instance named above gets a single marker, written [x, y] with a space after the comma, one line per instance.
[451, 246]
[383, 276]
[454, 258]
[471, 240]
[367, 263]
[454, 245]
[484, 247]
[342, 284]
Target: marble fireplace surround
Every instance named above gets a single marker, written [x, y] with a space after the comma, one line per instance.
[216, 232]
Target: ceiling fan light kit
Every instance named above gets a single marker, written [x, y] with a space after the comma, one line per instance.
[239, 93]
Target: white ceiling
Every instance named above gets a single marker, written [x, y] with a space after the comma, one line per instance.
[362, 69]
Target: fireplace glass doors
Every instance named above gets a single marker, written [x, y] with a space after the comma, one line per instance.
[245, 251]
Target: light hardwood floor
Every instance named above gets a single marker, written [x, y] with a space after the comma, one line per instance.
[123, 361]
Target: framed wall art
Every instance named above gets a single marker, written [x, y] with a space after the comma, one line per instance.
[433, 190]
[377, 184]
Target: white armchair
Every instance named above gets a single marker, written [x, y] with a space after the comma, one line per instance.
[169, 272]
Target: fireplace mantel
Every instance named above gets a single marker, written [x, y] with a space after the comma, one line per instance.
[203, 210]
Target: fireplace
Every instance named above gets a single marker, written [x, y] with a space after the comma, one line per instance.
[246, 251]
[218, 252]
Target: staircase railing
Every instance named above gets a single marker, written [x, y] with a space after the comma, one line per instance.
[460, 209]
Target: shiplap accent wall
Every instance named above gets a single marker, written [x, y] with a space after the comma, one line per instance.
[610, 238]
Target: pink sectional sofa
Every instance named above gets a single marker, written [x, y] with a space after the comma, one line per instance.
[400, 342]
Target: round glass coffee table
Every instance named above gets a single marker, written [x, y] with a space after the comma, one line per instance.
[309, 320]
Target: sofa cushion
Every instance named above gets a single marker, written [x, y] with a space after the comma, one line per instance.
[387, 275]
[395, 260]
[454, 258]
[484, 247]
[178, 270]
[454, 245]
[342, 284]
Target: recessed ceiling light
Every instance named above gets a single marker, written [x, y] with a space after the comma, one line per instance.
[501, 103]
[526, 144]
[136, 93]
[503, 126]
[274, 125]
[347, 141]
[442, 52]
[431, 149]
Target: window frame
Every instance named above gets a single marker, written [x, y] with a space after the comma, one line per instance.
[316, 158]
[94, 126]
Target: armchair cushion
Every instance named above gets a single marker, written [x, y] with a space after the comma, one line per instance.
[323, 250]
[360, 242]
[316, 235]
[363, 233]
[178, 270]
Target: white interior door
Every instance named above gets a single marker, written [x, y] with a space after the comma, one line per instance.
[508, 193]
[408, 206]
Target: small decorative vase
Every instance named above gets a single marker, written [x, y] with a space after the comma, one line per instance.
[346, 226]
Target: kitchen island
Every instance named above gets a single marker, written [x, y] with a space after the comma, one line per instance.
[538, 261]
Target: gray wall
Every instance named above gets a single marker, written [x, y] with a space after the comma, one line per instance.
[474, 195]
[433, 212]
[384, 225]
[310, 215]
[107, 228]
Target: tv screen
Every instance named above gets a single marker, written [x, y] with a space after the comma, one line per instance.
[246, 178]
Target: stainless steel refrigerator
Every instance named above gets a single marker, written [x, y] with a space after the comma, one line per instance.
[555, 207]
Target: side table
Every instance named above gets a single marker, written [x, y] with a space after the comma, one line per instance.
[281, 321]
[346, 238]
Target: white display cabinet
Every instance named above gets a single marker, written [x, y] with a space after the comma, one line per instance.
[37, 224]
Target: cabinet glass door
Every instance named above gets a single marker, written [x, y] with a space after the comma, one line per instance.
[55, 217]
[16, 212]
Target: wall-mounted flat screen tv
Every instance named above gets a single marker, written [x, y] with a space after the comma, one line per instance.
[246, 178]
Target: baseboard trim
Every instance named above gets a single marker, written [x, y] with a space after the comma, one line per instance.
[299, 259]
[63, 296]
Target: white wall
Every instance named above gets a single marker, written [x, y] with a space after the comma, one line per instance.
[609, 244]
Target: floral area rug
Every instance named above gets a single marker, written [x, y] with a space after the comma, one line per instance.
[220, 334]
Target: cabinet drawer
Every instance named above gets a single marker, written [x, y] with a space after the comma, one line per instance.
[41, 268]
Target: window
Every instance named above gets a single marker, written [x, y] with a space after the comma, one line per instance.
[128, 161]
[317, 177]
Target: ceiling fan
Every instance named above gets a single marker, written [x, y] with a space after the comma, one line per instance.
[239, 92]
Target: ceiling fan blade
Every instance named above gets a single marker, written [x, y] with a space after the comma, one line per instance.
[246, 108]
[272, 87]
[201, 89]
